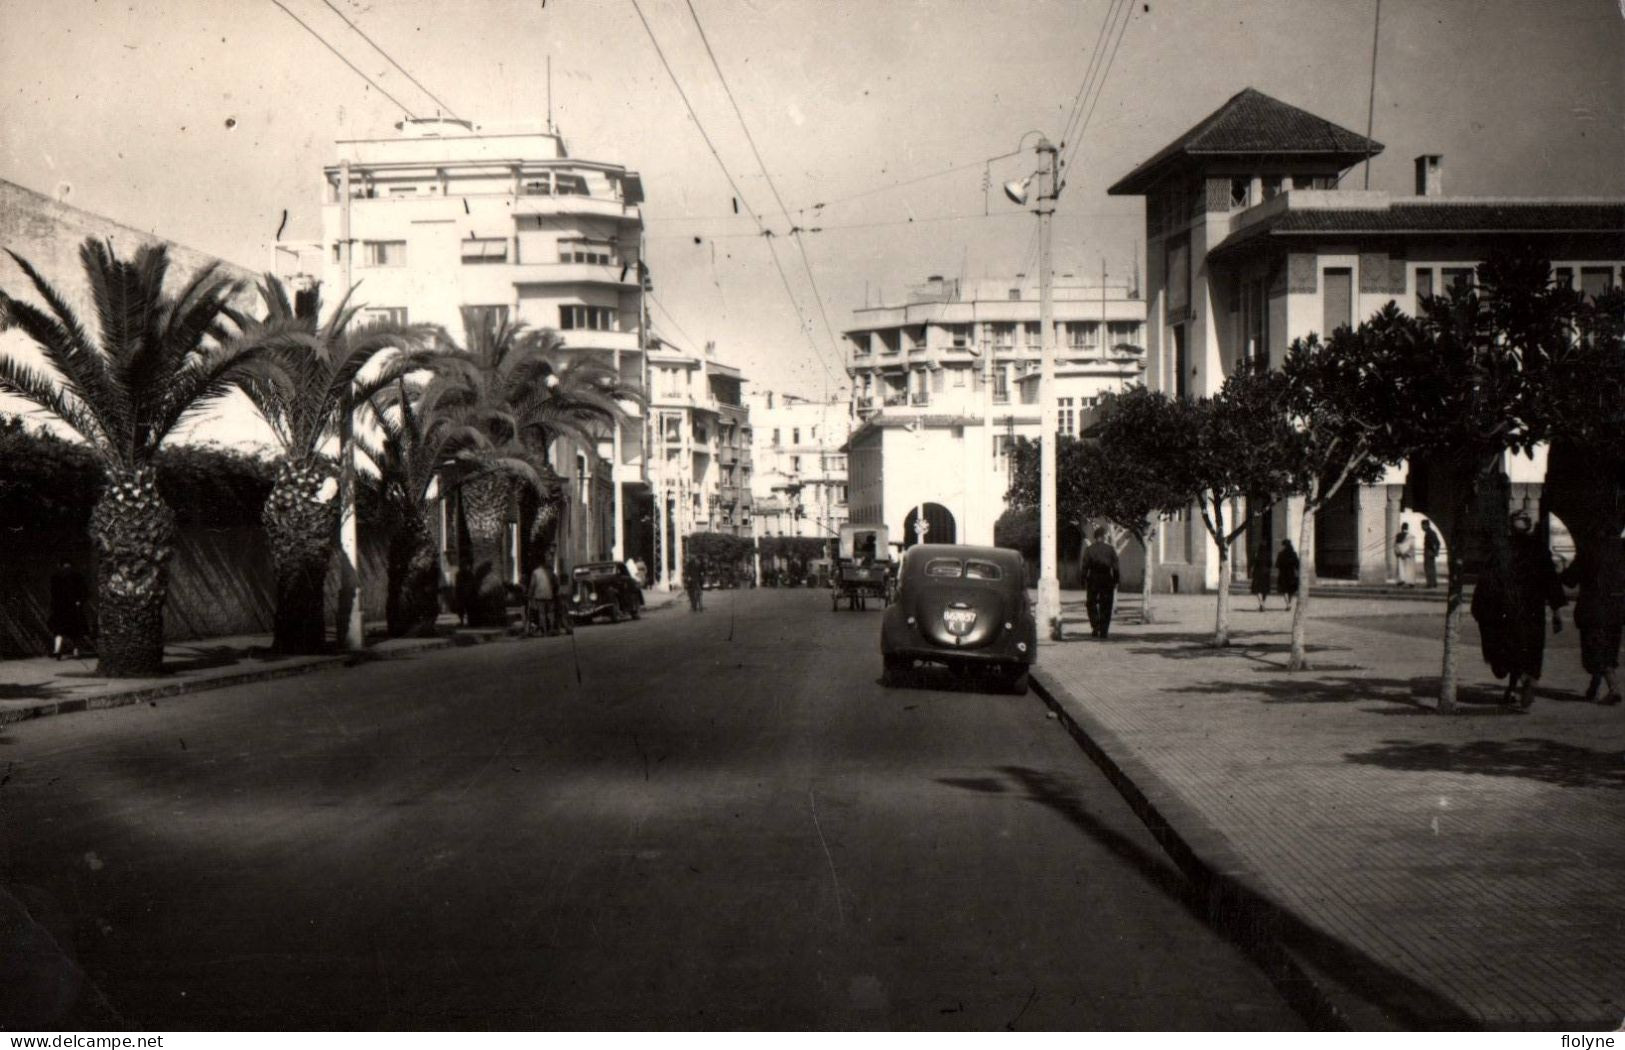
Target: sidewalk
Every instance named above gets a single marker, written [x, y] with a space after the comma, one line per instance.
[1459, 871]
[39, 686]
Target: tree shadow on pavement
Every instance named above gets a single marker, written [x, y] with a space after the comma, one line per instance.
[1529, 758]
[30, 691]
[1308, 688]
[201, 658]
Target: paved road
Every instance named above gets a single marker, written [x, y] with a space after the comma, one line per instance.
[726, 823]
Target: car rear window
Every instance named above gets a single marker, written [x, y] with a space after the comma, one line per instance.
[946, 567]
[982, 570]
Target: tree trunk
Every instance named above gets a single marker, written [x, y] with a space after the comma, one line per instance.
[412, 602]
[1221, 626]
[1299, 658]
[301, 528]
[134, 533]
[1145, 576]
[485, 507]
[1452, 630]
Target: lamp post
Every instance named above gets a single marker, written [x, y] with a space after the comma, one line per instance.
[352, 634]
[1049, 582]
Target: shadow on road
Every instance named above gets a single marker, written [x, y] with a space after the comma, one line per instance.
[1546, 761]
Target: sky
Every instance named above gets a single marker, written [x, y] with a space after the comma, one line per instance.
[202, 120]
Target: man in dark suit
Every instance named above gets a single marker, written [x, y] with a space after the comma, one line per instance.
[1100, 577]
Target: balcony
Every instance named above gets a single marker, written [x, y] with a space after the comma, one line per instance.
[575, 204]
[618, 274]
[893, 400]
[919, 399]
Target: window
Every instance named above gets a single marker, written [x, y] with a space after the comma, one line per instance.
[982, 570]
[1082, 335]
[960, 336]
[338, 252]
[408, 190]
[1004, 336]
[384, 315]
[383, 253]
[1001, 385]
[1241, 192]
[1002, 443]
[1337, 300]
[1066, 418]
[484, 250]
[1424, 284]
[1457, 278]
[948, 568]
[795, 436]
[1314, 182]
[1273, 185]
[1030, 334]
[569, 184]
[671, 428]
[587, 318]
[480, 318]
[1594, 280]
[581, 250]
[536, 186]
[1563, 276]
[775, 437]
[959, 377]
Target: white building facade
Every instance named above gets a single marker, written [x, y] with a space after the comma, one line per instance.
[442, 220]
[945, 382]
[800, 484]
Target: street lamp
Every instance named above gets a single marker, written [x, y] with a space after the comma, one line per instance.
[1049, 582]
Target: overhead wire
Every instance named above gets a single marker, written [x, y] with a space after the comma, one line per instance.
[739, 195]
[353, 67]
[1077, 140]
[795, 232]
[1095, 54]
[360, 32]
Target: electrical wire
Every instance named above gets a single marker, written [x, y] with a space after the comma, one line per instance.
[1128, 14]
[341, 58]
[1095, 54]
[795, 232]
[392, 61]
[727, 174]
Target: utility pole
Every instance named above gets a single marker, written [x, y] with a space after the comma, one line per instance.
[1049, 582]
[351, 633]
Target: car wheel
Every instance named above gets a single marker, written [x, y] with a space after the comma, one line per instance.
[896, 669]
[615, 613]
[637, 608]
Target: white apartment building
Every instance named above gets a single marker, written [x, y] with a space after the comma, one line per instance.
[801, 483]
[441, 218]
[945, 382]
[699, 452]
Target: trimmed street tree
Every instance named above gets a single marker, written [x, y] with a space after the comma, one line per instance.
[1240, 453]
[325, 364]
[160, 360]
[1347, 427]
[1467, 383]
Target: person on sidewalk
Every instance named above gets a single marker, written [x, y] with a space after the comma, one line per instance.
[1287, 566]
[67, 622]
[1599, 611]
[1509, 604]
[694, 583]
[1430, 555]
[1259, 567]
[539, 593]
[1405, 555]
[1100, 576]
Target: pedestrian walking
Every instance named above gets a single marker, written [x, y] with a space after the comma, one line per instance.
[1405, 555]
[1100, 576]
[642, 572]
[1259, 567]
[1430, 555]
[1287, 566]
[1509, 604]
[67, 621]
[694, 582]
[1599, 610]
[540, 590]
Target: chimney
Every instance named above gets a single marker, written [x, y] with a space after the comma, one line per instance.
[1430, 175]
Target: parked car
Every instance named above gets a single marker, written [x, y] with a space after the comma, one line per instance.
[962, 606]
[604, 588]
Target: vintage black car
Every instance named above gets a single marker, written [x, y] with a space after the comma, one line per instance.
[604, 588]
[962, 606]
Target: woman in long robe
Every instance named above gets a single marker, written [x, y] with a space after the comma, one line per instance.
[1510, 605]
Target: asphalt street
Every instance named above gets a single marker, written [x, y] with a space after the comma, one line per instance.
[694, 821]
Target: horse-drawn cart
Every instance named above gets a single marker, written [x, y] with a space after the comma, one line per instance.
[864, 567]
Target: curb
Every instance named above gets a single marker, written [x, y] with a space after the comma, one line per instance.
[295, 667]
[1300, 959]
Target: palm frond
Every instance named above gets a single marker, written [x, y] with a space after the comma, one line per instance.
[41, 389]
[206, 378]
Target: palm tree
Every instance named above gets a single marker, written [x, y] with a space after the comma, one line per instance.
[522, 391]
[420, 444]
[330, 367]
[159, 360]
